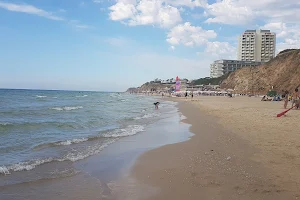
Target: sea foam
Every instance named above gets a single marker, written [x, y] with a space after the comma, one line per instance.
[82, 96]
[40, 96]
[66, 108]
[71, 156]
[149, 115]
[69, 142]
[128, 131]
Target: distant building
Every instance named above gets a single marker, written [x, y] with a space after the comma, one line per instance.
[156, 80]
[222, 67]
[257, 45]
[184, 81]
[168, 81]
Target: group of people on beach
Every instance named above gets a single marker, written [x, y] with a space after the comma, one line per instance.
[286, 97]
[295, 99]
[191, 94]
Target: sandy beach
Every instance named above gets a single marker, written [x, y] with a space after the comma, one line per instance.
[240, 150]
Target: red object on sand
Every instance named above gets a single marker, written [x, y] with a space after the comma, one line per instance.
[282, 113]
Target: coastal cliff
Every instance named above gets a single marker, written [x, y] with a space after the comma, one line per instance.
[280, 73]
[152, 87]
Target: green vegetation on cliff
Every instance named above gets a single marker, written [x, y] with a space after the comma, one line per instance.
[210, 81]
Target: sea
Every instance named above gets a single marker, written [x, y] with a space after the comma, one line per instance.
[41, 130]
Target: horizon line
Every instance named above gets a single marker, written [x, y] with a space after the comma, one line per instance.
[66, 90]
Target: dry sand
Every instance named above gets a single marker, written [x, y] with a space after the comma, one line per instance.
[240, 150]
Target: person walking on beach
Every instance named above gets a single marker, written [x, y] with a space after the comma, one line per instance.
[186, 94]
[285, 97]
[296, 98]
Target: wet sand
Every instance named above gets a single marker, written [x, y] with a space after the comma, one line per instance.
[240, 150]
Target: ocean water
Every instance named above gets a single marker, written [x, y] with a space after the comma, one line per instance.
[42, 127]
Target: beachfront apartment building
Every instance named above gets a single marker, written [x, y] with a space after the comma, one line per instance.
[257, 45]
[221, 67]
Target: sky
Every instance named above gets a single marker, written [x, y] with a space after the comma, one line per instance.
[110, 45]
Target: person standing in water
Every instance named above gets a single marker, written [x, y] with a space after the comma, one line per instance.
[156, 105]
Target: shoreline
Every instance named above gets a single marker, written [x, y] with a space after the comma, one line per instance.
[216, 163]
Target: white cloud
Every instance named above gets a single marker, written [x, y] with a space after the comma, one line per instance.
[276, 10]
[189, 35]
[134, 2]
[278, 27]
[280, 16]
[243, 11]
[289, 43]
[171, 48]
[145, 12]
[221, 50]
[121, 11]
[289, 33]
[187, 3]
[227, 12]
[29, 9]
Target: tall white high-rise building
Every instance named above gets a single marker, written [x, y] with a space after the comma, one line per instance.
[257, 45]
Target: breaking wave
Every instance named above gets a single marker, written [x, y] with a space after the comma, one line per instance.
[71, 156]
[150, 115]
[82, 96]
[66, 108]
[40, 96]
[60, 143]
[5, 124]
[130, 130]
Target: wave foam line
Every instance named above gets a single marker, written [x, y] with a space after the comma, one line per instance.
[82, 96]
[130, 130]
[72, 156]
[66, 108]
[150, 115]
